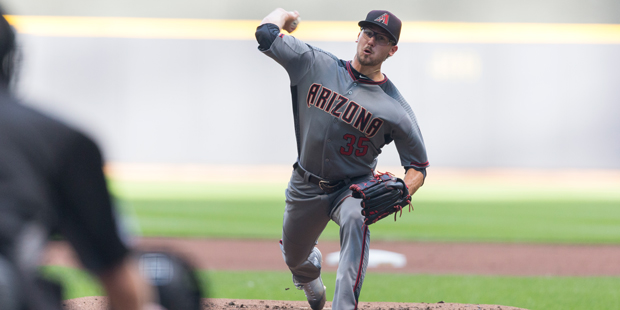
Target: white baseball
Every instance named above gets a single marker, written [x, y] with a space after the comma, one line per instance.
[295, 23]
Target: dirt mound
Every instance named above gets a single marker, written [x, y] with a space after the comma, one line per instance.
[101, 303]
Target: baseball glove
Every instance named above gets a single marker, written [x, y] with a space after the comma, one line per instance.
[381, 196]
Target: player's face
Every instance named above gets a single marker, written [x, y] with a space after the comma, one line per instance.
[374, 46]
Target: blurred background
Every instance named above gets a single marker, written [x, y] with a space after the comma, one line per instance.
[494, 84]
[518, 102]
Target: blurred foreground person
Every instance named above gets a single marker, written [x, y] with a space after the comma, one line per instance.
[51, 180]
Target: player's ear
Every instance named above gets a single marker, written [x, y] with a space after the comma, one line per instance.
[393, 50]
[358, 37]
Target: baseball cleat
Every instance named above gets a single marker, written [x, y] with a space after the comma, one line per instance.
[315, 292]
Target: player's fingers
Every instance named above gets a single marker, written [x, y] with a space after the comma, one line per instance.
[291, 25]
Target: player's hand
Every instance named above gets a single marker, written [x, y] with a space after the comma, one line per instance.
[292, 21]
[287, 20]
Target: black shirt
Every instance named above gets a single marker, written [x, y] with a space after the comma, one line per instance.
[52, 175]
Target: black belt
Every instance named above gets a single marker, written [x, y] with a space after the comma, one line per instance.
[327, 186]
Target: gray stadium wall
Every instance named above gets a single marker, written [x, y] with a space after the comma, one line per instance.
[223, 102]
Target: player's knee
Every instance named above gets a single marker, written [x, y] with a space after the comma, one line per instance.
[293, 261]
[291, 257]
[309, 262]
[300, 261]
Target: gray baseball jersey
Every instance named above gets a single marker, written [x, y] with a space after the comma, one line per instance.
[341, 121]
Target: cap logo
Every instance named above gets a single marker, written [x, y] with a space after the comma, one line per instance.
[383, 18]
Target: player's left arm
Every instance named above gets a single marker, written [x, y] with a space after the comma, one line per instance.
[412, 151]
[414, 180]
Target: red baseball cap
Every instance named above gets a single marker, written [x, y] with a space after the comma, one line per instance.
[385, 20]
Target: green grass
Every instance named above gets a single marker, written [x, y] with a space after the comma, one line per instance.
[207, 218]
[549, 293]
[76, 283]
[489, 221]
[443, 213]
[497, 214]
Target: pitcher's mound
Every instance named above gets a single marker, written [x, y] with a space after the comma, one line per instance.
[101, 303]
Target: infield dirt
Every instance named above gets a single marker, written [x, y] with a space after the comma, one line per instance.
[424, 258]
[101, 303]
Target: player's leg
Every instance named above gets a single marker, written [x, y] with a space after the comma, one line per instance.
[354, 243]
[305, 218]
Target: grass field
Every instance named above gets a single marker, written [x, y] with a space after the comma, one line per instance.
[497, 214]
[447, 213]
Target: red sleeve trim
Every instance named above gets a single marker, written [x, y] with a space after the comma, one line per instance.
[419, 165]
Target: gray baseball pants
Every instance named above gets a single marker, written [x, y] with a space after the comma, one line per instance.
[308, 210]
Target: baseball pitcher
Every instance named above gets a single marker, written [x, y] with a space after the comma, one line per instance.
[344, 113]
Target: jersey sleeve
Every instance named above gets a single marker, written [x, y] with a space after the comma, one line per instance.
[265, 35]
[291, 53]
[409, 141]
[410, 144]
[86, 217]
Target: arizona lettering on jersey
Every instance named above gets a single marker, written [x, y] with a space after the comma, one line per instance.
[342, 120]
[343, 108]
